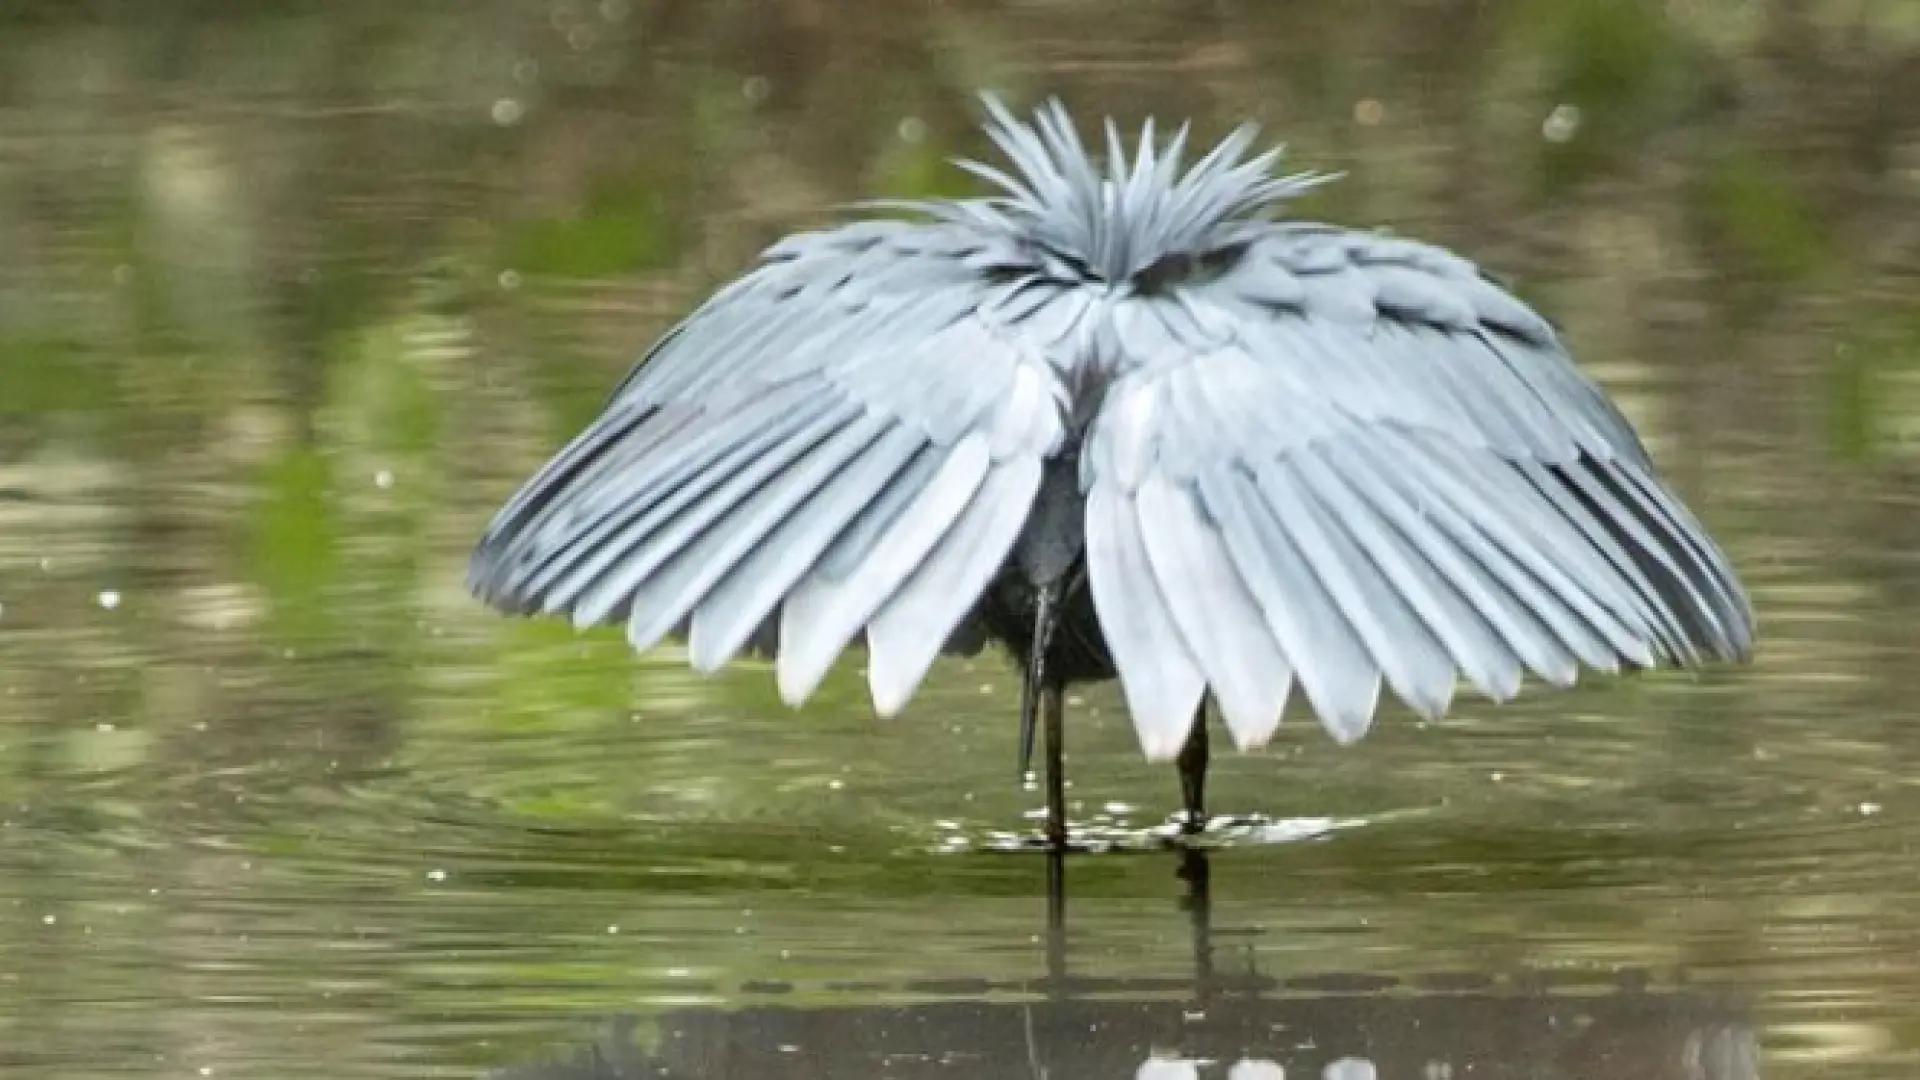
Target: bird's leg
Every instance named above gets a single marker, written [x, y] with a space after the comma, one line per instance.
[1193, 773]
[1056, 770]
[1042, 693]
[1036, 676]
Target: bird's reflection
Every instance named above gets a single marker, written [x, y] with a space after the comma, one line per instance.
[1207, 1025]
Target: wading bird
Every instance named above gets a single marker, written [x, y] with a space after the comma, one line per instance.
[1125, 419]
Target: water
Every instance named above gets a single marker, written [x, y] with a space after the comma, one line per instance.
[289, 301]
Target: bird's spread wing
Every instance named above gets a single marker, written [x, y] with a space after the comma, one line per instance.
[1348, 459]
[853, 433]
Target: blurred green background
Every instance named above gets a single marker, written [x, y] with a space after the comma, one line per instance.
[293, 294]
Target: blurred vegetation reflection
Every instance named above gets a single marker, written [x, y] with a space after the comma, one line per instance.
[292, 294]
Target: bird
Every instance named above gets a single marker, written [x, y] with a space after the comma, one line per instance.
[1124, 417]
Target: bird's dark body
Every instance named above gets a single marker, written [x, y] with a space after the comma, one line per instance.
[1078, 652]
[1051, 551]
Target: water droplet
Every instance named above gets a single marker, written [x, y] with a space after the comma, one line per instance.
[912, 129]
[613, 928]
[755, 89]
[509, 279]
[109, 599]
[836, 785]
[1562, 124]
[1868, 809]
[1369, 112]
[526, 71]
[383, 479]
[507, 111]
[49, 919]
[436, 874]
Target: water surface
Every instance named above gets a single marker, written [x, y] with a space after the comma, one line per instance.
[290, 299]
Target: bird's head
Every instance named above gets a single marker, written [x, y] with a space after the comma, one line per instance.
[1147, 218]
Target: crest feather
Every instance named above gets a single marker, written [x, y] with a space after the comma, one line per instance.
[1124, 218]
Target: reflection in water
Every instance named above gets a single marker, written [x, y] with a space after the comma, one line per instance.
[1238, 1025]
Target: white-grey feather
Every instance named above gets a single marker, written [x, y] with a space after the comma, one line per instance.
[906, 633]
[667, 595]
[822, 614]
[736, 607]
[1158, 675]
[1221, 624]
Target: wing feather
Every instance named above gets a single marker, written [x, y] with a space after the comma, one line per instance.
[1471, 567]
[1542, 557]
[907, 632]
[729, 615]
[823, 613]
[1410, 658]
[1218, 618]
[1338, 675]
[717, 541]
[1677, 589]
[1158, 675]
[596, 526]
[1644, 607]
[1419, 578]
[1706, 568]
[607, 583]
[1394, 470]
[853, 431]
[1474, 524]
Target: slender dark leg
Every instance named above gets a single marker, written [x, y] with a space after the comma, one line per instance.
[1056, 770]
[1041, 693]
[1036, 680]
[1193, 773]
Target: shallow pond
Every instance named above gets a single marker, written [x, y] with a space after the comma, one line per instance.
[290, 300]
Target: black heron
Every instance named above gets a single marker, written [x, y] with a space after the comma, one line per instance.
[1126, 419]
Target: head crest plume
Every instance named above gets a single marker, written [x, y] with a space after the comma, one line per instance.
[1128, 216]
